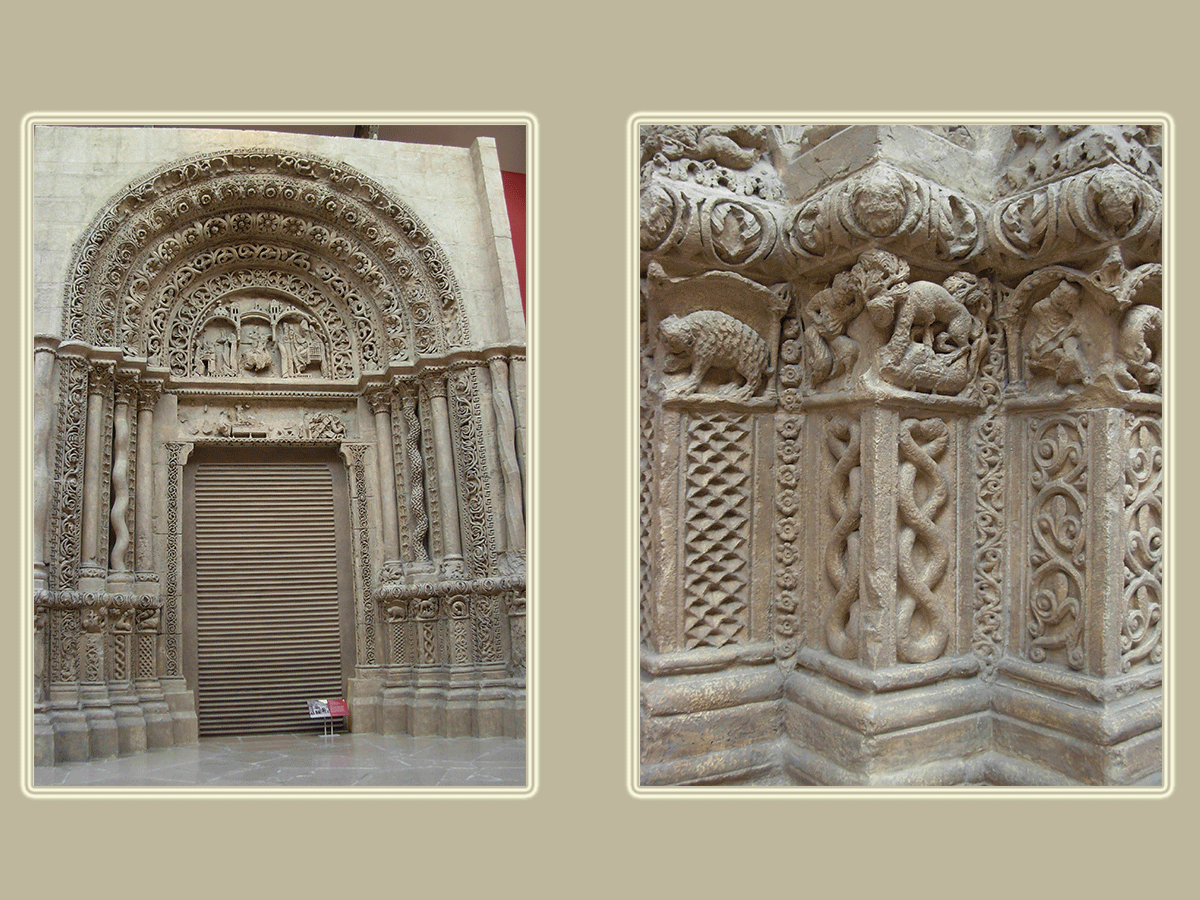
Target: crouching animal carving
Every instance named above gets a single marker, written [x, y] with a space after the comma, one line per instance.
[714, 339]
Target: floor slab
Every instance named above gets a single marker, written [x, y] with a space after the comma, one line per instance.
[303, 760]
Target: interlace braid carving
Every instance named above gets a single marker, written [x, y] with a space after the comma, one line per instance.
[429, 470]
[459, 620]
[416, 477]
[1141, 628]
[474, 492]
[841, 553]
[400, 641]
[922, 443]
[1059, 480]
[399, 437]
[646, 499]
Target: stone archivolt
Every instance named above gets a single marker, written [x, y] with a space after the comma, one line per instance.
[251, 298]
[952, 367]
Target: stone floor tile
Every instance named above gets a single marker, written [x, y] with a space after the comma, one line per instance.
[306, 760]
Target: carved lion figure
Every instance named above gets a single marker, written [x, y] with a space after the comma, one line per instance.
[711, 338]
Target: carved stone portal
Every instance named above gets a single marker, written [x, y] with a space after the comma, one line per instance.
[882, 414]
[268, 306]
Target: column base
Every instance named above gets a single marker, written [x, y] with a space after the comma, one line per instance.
[710, 716]
[434, 706]
[880, 731]
[394, 704]
[160, 732]
[131, 725]
[43, 739]
[185, 727]
[103, 739]
[362, 698]
[71, 742]
[1085, 730]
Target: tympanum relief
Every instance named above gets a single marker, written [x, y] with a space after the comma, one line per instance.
[883, 402]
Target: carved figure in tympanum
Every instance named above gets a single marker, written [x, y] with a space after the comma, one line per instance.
[300, 348]
[708, 339]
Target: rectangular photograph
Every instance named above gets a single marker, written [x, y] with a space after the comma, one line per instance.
[901, 453]
[279, 406]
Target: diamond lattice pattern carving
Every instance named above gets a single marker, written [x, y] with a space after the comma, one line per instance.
[717, 531]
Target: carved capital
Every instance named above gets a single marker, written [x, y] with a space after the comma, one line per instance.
[101, 376]
[148, 394]
[380, 399]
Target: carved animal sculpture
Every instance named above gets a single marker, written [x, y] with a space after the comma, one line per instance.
[930, 347]
[714, 339]
[936, 340]
[1139, 346]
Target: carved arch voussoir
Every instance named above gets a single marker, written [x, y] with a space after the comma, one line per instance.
[369, 250]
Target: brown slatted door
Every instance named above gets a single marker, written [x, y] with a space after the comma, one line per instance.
[266, 587]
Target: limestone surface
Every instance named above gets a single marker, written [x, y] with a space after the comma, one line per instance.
[901, 454]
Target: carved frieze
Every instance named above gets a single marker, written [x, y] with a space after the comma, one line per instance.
[904, 212]
[1080, 214]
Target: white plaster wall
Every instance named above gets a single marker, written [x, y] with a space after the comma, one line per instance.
[79, 170]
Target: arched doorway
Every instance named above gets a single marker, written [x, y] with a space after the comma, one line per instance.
[258, 305]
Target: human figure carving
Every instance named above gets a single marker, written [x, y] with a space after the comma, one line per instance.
[829, 312]
[711, 338]
[1055, 347]
[205, 358]
[300, 348]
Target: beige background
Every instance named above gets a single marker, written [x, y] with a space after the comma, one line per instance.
[582, 74]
